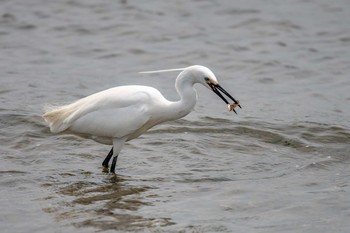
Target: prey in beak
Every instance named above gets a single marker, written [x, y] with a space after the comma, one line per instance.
[217, 89]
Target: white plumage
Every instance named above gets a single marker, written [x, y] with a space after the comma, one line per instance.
[119, 114]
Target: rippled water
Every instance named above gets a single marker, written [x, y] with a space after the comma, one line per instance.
[281, 165]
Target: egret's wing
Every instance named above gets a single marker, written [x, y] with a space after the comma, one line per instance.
[113, 122]
[115, 102]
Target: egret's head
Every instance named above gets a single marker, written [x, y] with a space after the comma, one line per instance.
[207, 78]
[200, 74]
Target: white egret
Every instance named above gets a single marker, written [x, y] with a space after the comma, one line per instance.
[117, 115]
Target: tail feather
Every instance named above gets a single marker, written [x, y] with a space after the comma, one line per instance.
[58, 118]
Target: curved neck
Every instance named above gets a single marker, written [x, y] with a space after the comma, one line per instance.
[188, 97]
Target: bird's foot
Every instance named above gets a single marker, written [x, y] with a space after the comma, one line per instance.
[105, 169]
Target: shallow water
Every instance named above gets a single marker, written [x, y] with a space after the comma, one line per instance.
[281, 165]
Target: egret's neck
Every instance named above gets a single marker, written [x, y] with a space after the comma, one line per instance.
[188, 97]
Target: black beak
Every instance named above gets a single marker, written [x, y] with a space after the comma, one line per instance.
[217, 88]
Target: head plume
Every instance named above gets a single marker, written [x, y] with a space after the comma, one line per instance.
[161, 71]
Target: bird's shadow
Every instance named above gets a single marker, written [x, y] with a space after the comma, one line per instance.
[111, 203]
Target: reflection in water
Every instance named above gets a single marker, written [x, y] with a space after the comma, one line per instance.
[110, 204]
[198, 177]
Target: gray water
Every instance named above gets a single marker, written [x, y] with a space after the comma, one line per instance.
[281, 165]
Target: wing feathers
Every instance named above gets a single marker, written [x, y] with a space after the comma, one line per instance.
[63, 117]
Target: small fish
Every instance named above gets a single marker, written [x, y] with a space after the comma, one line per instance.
[231, 107]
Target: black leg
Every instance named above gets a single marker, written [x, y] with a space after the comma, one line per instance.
[108, 157]
[114, 162]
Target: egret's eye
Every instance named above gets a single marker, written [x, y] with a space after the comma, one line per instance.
[207, 79]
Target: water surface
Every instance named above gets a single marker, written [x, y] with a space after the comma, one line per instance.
[280, 165]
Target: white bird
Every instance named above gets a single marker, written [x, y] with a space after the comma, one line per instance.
[120, 114]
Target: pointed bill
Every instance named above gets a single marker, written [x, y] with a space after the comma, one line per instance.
[217, 88]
